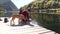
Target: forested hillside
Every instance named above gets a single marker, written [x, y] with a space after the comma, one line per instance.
[43, 4]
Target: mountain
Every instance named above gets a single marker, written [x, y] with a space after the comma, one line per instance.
[8, 5]
[8, 8]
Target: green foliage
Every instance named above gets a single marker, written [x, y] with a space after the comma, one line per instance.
[1, 10]
[42, 4]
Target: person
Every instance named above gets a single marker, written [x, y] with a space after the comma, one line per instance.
[20, 10]
[26, 13]
[5, 20]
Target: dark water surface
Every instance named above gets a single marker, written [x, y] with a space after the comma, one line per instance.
[49, 21]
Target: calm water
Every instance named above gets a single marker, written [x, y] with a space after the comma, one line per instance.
[50, 21]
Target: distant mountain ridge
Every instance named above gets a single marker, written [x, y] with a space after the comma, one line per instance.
[8, 5]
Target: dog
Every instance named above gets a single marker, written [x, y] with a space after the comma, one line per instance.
[20, 17]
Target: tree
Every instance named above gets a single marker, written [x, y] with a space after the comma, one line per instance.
[1, 10]
[43, 4]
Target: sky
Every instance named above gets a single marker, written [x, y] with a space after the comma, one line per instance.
[21, 3]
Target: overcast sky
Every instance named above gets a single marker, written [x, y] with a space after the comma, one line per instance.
[20, 3]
